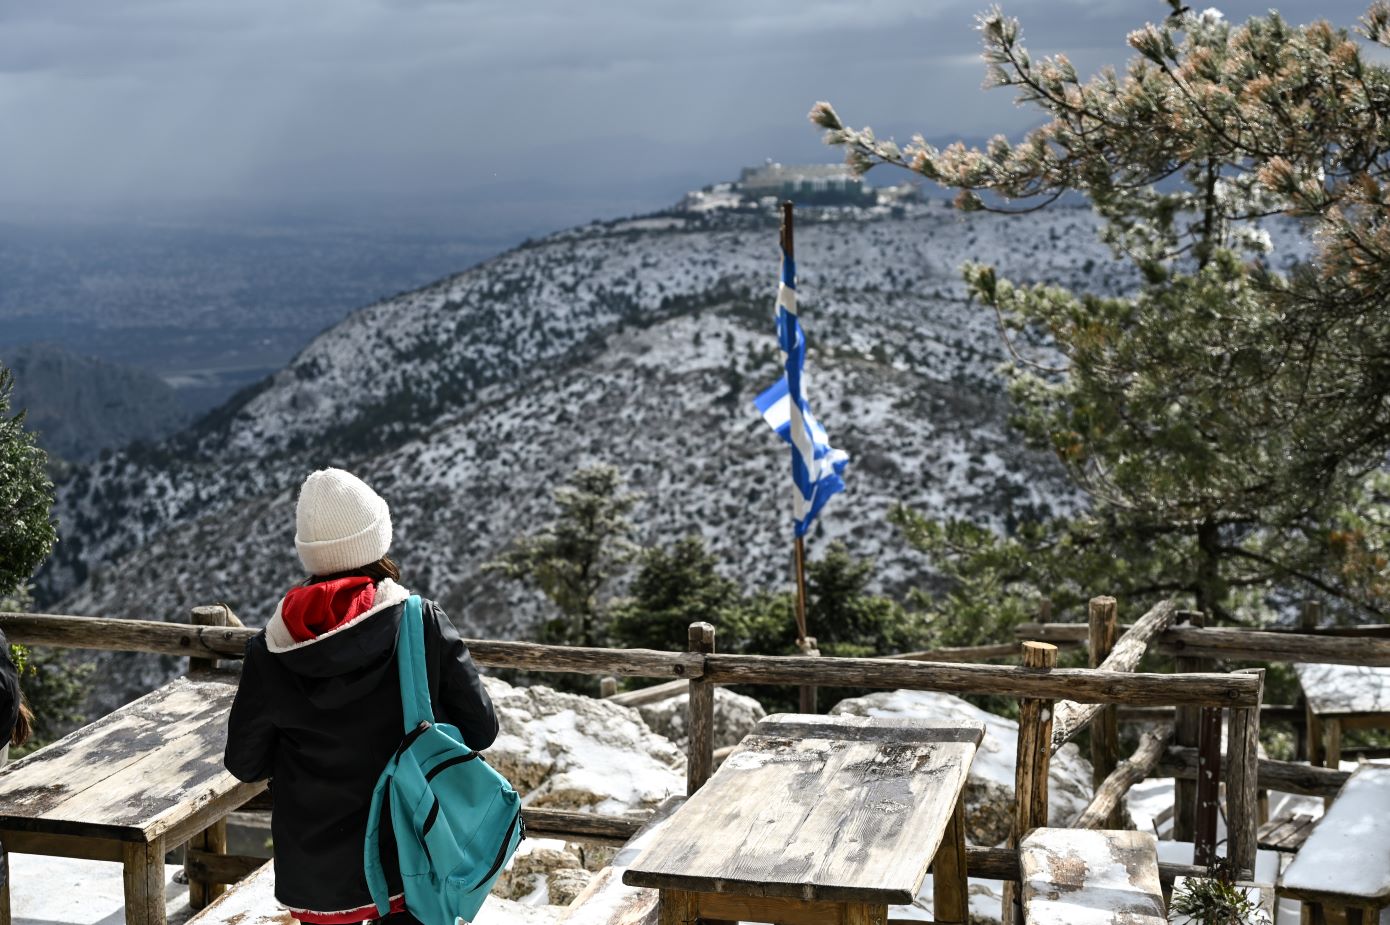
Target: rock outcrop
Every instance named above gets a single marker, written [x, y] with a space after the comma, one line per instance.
[735, 715]
[568, 751]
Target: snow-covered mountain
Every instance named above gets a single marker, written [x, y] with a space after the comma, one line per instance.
[640, 343]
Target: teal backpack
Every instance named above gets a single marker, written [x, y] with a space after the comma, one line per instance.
[457, 820]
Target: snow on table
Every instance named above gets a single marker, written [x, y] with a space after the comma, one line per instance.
[1348, 854]
[1087, 877]
[1339, 690]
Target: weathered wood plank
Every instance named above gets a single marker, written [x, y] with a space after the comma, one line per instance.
[71, 632]
[211, 842]
[646, 695]
[1075, 712]
[1031, 762]
[1071, 875]
[529, 656]
[577, 826]
[699, 762]
[1286, 833]
[1111, 793]
[1105, 729]
[113, 777]
[220, 868]
[1187, 726]
[1260, 646]
[1242, 784]
[820, 816]
[1081, 685]
[251, 903]
[1283, 776]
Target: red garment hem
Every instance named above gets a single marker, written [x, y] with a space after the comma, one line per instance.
[349, 917]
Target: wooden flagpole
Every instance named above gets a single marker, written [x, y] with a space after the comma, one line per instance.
[807, 644]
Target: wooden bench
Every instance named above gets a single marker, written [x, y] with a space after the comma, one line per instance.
[128, 788]
[1071, 876]
[609, 901]
[250, 902]
[1343, 869]
[1286, 832]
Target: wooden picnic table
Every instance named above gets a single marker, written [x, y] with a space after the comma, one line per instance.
[129, 787]
[1341, 697]
[819, 820]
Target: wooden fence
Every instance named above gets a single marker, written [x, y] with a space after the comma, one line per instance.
[1056, 703]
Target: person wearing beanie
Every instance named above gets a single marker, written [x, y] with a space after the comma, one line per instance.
[318, 710]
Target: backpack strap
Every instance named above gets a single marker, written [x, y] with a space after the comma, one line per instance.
[410, 660]
[371, 851]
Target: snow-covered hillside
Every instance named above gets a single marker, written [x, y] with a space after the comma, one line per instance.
[640, 343]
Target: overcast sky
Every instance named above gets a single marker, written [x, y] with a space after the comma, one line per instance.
[568, 109]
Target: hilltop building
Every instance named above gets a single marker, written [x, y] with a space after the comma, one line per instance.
[819, 184]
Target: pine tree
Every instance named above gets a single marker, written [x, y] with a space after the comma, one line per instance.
[27, 532]
[674, 587]
[573, 558]
[1228, 422]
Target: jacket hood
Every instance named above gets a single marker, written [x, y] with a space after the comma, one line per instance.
[369, 637]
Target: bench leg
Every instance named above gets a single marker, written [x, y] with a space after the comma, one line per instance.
[144, 882]
[950, 889]
[675, 907]
[213, 840]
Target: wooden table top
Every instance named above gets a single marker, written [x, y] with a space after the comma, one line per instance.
[133, 775]
[841, 808]
[1344, 690]
[1347, 855]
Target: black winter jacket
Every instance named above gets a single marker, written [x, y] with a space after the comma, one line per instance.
[321, 719]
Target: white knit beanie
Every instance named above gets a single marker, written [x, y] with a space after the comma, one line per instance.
[340, 523]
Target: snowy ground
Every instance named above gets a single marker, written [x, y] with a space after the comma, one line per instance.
[46, 890]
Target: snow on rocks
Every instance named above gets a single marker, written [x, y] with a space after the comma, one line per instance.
[989, 793]
[735, 715]
[567, 751]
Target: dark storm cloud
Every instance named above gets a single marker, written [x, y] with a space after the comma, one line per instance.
[171, 100]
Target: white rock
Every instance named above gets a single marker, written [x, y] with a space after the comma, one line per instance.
[506, 912]
[568, 751]
[989, 793]
[735, 715]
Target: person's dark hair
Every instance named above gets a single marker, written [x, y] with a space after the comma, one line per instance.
[24, 725]
[381, 568]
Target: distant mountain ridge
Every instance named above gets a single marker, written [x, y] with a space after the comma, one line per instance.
[640, 343]
[79, 406]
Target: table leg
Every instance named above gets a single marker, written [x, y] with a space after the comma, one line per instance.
[144, 882]
[869, 914]
[676, 907]
[1332, 755]
[950, 890]
[1314, 739]
[212, 840]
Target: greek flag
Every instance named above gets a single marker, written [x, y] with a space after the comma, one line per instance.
[816, 466]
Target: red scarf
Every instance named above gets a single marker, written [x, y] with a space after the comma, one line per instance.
[312, 610]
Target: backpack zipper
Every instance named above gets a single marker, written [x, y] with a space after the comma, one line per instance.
[501, 852]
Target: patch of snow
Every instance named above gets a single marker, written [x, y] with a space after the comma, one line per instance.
[1349, 850]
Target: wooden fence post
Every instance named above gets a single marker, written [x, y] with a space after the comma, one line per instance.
[699, 761]
[1310, 743]
[1186, 734]
[806, 694]
[1242, 784]
[1030, 772]
[1105, 728]
[211, 615]
[607, 686]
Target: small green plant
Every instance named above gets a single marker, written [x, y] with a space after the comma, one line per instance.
[1214, 901]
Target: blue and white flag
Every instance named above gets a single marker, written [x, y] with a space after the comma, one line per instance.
[816, 465]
